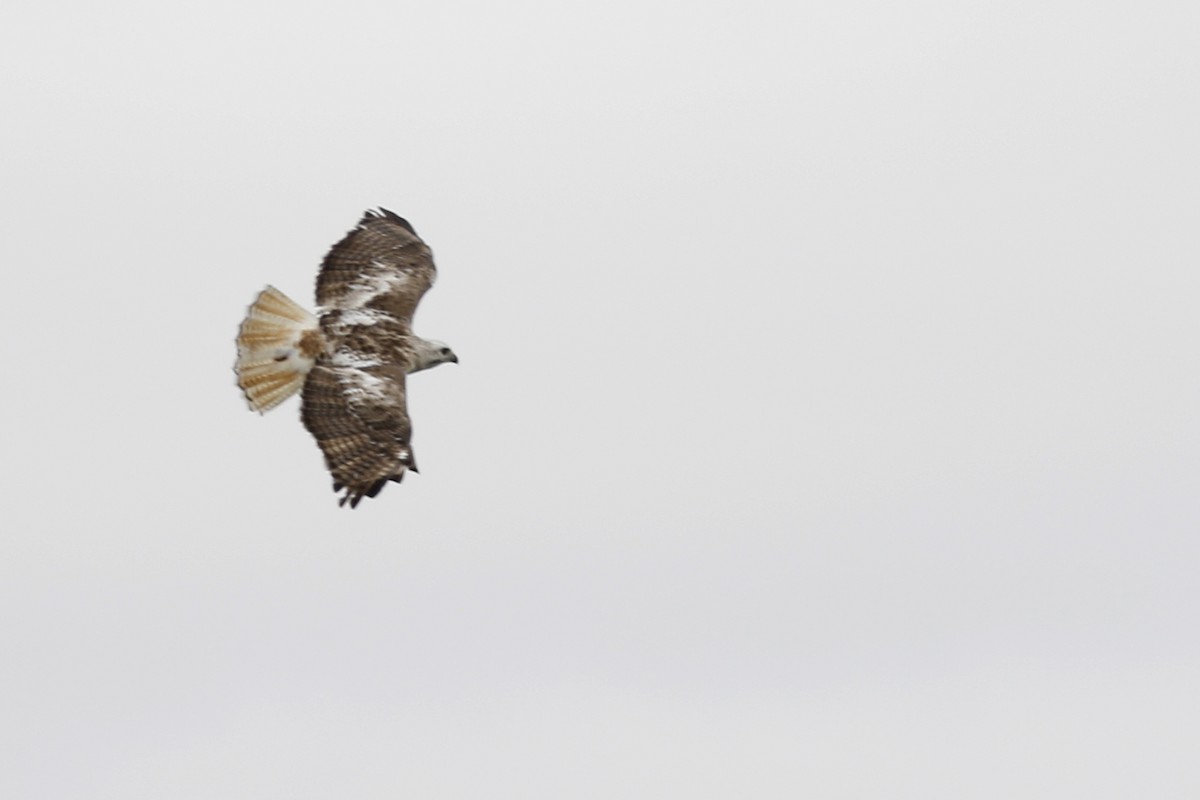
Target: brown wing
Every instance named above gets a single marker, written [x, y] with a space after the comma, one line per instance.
[382, 264]
[360, 420]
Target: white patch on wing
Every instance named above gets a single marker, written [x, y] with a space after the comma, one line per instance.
[362, 317]
[351, 359]
[361, 385]
[370, 285]
[340, 324]
[351, 368]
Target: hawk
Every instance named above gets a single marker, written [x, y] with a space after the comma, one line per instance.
[350, 361]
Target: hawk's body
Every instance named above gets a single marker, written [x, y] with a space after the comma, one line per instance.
[351, 361]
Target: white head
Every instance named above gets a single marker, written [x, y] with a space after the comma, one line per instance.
[430, 353]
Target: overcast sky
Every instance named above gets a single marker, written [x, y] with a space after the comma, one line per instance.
[826, 421]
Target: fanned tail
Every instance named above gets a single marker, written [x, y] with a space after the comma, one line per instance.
[277, 345]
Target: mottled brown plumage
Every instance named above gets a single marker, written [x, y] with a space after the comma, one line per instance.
[354, 361]
[383, 250]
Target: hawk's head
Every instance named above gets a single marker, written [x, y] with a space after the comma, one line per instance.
[430, 353]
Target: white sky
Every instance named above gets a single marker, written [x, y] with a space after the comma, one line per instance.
[826, 421]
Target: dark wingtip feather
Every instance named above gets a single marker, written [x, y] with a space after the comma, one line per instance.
[355, 496]
[383, 213]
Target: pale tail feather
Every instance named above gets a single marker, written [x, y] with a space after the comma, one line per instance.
[277, 345]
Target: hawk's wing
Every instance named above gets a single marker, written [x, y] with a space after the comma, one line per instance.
[382, 264]
[359, 417]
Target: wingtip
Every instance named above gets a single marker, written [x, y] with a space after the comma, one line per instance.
[380, 212]
[354, 495]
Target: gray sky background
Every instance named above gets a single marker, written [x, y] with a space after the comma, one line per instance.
[826, 424]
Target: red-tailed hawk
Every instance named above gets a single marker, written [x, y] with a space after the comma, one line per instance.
[350, 360]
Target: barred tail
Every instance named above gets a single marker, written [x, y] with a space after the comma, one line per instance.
[277, 345]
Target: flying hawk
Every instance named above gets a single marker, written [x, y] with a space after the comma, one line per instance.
[349, 362]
